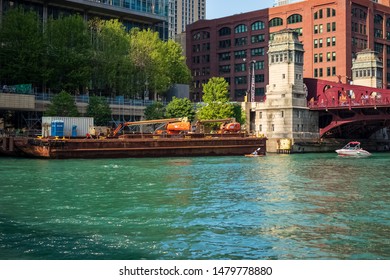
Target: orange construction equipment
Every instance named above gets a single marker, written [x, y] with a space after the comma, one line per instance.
[229, 125]
[162, 121]
[178, 127]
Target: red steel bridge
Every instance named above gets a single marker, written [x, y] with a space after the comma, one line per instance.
[348, 111]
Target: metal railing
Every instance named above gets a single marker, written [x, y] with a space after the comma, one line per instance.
[119, 100]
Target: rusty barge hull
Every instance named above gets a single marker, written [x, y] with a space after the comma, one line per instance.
[139, 147]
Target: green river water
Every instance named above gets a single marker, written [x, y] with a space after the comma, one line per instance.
[300, 206]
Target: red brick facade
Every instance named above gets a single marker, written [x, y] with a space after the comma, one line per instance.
[332, 31]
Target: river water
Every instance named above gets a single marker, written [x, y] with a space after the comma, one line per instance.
[300, 206]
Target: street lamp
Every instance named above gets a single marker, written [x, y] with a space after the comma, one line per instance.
[251, 80]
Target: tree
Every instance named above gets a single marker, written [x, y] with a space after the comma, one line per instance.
[216, 101]
[99, 110]
[157, 64]
[21, 48]
[68, 53]
[62, 105]
[216, 90]
[180, 108]
[175, 63]
[239, 113]
[155, 111]
[111, 48]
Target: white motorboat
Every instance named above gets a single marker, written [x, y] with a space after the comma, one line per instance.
[353, 149]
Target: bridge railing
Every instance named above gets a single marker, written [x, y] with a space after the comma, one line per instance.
[349, 102]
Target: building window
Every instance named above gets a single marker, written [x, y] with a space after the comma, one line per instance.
[333, 71]
[196, 36]
[378, 33]
[316, 58]
[240, 29]
[259, 65]
[328, 56]
[224, 44]
[258, 25]
[239, 54]
[275, 22]
[333, 26]
[328, 73]
[330, 12]
[240, 67]
[259, 78]
[320, 58]
[257, 52]
[333, 41]
[315, 73]
[378, 19]
[378, 47]
[241, 80]
[315, 29]
[328, 42]
[224, 69]
[333, 56]
[321, 72]
[320, 43]
[240, 41]
[225, 31]
[257, 38]
[240, 92]
[295, 18]
[318, 14]
[315, 43]
[224, 56]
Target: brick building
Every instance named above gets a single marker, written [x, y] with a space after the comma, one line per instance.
[332, 32]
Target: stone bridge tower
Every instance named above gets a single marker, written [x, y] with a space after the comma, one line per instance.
[285, 115]
[367, 69]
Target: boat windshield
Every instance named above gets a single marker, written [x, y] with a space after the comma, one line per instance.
[352, 146]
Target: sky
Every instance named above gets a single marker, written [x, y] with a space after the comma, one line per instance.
[224, 8]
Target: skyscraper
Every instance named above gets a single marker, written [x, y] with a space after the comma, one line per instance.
[183, 12]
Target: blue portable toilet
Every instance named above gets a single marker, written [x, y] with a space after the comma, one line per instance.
[74, 130]
[57, 128]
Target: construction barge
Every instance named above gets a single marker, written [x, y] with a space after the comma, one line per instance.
[176, 137]
[135, 146]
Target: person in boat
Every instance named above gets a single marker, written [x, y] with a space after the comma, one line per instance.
[257, 152]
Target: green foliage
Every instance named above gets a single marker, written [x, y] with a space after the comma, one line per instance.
[99, 110]
[62, 105]
[111, 48]
[68, 53]
[216, 90]
[71, 54]
[180, 108]
[21, 48]
[239, 114]
[216, 98]
[157, 64]
[155, 111]
[175, 65]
